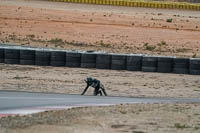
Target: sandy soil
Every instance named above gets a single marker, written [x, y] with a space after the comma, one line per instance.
[138, 118]
[92, 27]
[112, 29]
[117, 83]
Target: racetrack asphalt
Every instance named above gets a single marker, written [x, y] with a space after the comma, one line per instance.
[15, 100]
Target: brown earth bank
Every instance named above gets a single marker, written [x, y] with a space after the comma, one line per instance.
[112, 29]
[93, 27]
[137, 118]
[117, 83]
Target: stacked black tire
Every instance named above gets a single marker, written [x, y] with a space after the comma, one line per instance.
[12, 56]
[165, 64]
[73, 59]
[47, 57]
[27, 57]
[134, 62]
[103, 61]
[42, 58]
[149, 64]
[118, 62]
[1, 55]
[88, 60]
[194, 66]
[181, 65]
[58, 58]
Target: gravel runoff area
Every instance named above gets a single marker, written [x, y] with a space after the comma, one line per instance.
[137, 118]
[112, 29]
[117, 83]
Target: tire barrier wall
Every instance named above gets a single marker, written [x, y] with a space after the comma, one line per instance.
[88, 60]
[12, 56]
[149, 64]
[1, 55]
[58, 58]
[73, 59]
[165, 64]
[194, 66]
[118, 62]
[130, 62]
[135, 3]
[103, 61]
[181, 65]
[42, 58]
[134, 62]
[27, 57]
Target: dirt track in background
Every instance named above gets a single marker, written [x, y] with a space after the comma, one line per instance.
[107, 28]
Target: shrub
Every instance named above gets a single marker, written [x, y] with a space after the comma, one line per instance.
[149, 48]
[169, 20]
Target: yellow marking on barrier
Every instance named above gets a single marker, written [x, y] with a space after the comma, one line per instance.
[90, 1]
[140, 4]
[163, 6]
[146, 4]
[170, 6]
[117, 3]
[101, 2]
[107, 2]
[122, 3]
[198, 7]
[153, 5]
[126, 3]
[104, 2]
[134, 3]
[131, 4]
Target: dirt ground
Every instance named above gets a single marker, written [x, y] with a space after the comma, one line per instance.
[92, 27]
[112, 29]
[137, 118]
[117, 83]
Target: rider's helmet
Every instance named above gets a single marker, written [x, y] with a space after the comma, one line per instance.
[88, 80]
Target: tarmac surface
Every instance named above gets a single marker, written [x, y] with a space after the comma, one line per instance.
[10, 100]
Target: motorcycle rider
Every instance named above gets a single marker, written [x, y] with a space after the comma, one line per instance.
[96, 84]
